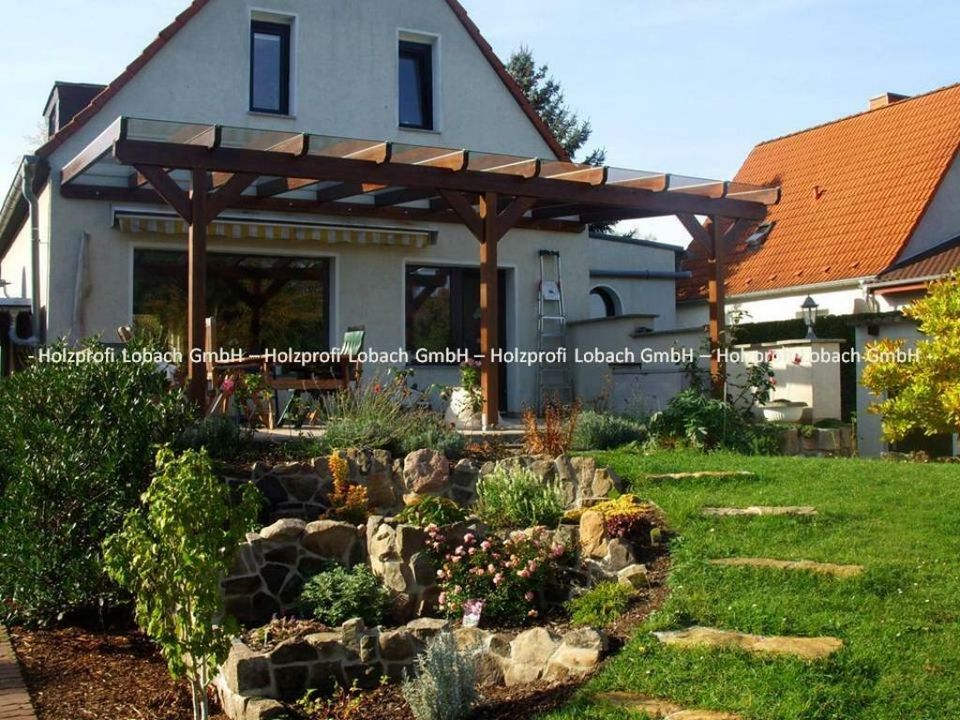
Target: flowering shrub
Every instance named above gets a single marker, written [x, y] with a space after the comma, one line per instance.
[347, 502]
[507, 575]
[628, 517]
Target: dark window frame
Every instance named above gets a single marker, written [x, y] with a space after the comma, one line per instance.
[281, 30]
[422, 53]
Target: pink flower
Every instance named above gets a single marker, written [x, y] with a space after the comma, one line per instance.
[228, 386]
[459, 550]
[486, 545]
[455, 559]
[441, 574]
[432, 528]
[472, 551]
[529, 597]
[469, 538]
[532, 613]
[442, 600]
[525, 574]
[491, 568]
[558, 550]
[497, 579]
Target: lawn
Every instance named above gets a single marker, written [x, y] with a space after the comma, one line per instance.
[899, 620]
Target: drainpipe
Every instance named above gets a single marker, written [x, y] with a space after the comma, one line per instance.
[30, 163]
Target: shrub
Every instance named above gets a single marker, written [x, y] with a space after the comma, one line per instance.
[707, 424]
[445, 685]
[604, 431]
[376, 416]
[347, 502]
[336, 595]
[219, 436]
[509, 576]
[431, 510]
[517, 499]
[628, 517]
[76, 452]
[601, 605]
[555, 437]
[171, 556]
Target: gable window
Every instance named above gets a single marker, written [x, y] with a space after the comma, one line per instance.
[416, 85]
[269, 67]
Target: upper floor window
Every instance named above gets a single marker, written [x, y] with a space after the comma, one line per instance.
[270, 67]
[416, 85]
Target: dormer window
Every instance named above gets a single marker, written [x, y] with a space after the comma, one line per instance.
[416, 92]
[760, 235]
[270, 67]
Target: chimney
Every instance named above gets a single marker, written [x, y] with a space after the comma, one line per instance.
[887, 98]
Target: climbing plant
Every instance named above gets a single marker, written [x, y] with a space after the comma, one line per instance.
[171, 555]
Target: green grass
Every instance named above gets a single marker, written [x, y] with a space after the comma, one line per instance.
[900, 620]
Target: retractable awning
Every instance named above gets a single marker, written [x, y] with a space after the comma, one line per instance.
[202, 170]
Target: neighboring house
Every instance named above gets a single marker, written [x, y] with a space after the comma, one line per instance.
[407, 71]
[869, 213]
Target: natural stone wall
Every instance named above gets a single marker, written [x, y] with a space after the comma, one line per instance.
[818, 442]
[249, 680]
[272, 565]
[582, 482]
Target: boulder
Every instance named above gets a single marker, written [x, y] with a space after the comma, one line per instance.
[283, 530]
[330, 539]
[593, 535]
[634, 575]
[426, 471]
[619, 555]
[397, 645]
[423, 629]
[533, 647]
[246, 672]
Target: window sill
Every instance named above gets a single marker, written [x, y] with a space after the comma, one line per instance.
[422, 131]
[276, 116]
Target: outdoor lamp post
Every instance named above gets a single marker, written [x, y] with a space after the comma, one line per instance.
[809, 308]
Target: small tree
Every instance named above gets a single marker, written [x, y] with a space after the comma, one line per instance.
[923, 389]
[171, 555]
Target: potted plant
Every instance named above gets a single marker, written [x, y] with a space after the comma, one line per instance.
[784, 411]
[465, 408]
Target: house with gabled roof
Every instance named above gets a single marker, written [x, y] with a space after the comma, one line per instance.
[302, 168]
[869, 215]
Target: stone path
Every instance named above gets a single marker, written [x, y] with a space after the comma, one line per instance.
[842, 571]
[754, 510]
[808, 648]
[14, 699]
[661, 709]
[711, 474]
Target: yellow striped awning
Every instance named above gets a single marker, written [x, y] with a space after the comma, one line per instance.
[271, 230]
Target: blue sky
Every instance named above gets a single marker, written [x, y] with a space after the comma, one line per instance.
[685, 86]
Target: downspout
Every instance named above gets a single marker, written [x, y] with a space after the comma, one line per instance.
[30, 163]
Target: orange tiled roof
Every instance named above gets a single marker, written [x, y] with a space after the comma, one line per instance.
[853, 190]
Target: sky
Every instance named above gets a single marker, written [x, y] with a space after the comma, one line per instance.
[682, 86]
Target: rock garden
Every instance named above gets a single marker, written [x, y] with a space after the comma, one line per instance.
[365, 562]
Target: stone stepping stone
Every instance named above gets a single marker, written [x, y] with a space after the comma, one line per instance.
[841, 571]
[807, 648]
[661, 709]
[711, 474]
[755, 510]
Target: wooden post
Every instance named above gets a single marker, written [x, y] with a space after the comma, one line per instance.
[489, 309]
[717, 303]
[197, 288]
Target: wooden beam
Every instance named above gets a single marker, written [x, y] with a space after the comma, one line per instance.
[197, 288]
[465, 211]
[167, 188]
[573, 172]
[716, 297]
[229, 193]
[309, 207]
[489, 310]
[511, 215]
[405, 175]
[429, 157]
[95, 151]
[654, 183]
[399, 197]
[697, 231]
[526, 168]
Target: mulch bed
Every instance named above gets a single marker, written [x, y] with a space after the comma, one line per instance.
[74, 673]
[85, 673]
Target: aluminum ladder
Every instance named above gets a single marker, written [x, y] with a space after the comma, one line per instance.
[554, 380]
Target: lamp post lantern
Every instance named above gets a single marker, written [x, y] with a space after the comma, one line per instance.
[809, 308]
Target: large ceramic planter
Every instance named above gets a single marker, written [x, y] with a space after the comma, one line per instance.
[460, 412]
[789, 412]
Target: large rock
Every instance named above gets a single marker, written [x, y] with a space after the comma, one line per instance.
[634, 575]
[533, 647]
[283, 530]
[330, 539]
[245, 671]
[426, 471]
[593, 535]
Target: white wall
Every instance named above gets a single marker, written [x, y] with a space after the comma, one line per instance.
[941, 221]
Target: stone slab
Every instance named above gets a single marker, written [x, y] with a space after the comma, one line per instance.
[841, 571]
[703, 475]
[757, 510]
[658, 709]
[807, 648]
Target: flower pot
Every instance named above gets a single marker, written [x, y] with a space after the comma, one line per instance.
[460, 412]
[784, 412]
